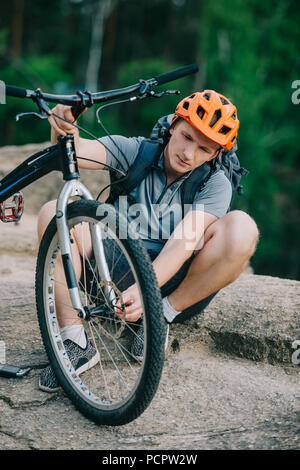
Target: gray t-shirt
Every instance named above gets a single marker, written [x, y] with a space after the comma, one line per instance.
[158, 210]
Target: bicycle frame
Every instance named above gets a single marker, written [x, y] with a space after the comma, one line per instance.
[60, 157]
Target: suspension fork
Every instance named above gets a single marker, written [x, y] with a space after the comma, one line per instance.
[76, 188]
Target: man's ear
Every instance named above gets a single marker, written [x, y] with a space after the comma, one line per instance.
[215, 155]
[171, 130]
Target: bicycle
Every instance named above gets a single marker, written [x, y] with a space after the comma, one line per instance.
[119, 387]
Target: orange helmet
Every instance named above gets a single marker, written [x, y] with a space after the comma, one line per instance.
[212, 114]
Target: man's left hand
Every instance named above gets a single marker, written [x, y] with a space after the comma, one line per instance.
[133, 307]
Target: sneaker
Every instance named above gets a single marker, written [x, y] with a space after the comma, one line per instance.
[137, 348]
[82, 359]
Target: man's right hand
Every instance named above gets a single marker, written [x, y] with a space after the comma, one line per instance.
[60, 127]
[85, 148]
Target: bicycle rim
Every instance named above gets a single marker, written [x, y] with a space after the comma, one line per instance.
[120, 385]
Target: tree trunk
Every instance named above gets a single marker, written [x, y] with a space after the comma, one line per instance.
[200, 77]
[103, 10]
[17, 29]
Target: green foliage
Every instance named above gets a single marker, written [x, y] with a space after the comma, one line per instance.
[3, 41]
[255, 49]
[143, 114]
[31, 72]
[246, 49]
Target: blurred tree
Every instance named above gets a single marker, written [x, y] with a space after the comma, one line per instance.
[28, 72]
[17, 28]
[142, 115]
[102, 11]
[252, 57]
[246, 49]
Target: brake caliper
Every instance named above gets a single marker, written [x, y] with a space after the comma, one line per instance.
[12, 210]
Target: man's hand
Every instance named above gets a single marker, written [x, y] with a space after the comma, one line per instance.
[133, 307]
[60, 127]
[85, 148]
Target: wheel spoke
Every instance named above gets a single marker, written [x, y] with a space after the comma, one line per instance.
[110, 377]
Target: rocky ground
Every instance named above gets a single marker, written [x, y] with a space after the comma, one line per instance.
[229, 381]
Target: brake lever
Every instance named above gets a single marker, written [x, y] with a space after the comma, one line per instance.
[162, 93]
[172, 92]
[40, 116]
[44, 109]
[146, 92]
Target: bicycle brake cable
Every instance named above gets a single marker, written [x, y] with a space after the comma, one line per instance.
[133, 98]
[105, 130]
[110, 137]
[123, 173]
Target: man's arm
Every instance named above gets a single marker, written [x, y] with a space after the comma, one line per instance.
[176, 251]
[85, 148]
[181, 244]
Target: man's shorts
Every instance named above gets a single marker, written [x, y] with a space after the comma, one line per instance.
[124, 279]
[174, 282]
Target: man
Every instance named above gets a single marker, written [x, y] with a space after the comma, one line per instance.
[207, 249]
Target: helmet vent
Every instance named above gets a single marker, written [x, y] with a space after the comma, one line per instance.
[192, 96]
[186, 105]
[206, 96]
[223, 101]
[224, 130]
[234, 116]
[200, 112]
[217, 115]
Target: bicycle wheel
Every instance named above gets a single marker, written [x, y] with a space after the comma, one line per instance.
[119, 387]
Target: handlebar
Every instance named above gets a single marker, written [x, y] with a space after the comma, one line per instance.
[17, 92]
[175, 74]
[82, 100]
[69, 100]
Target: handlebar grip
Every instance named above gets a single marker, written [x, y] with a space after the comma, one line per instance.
[17, 92]
[182, 72]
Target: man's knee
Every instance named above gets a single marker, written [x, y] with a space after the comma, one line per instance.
[240, 234]
[45, 215]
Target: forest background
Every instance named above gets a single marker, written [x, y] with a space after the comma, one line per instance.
[248, 50]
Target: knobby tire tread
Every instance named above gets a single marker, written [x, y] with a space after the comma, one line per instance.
[156, 326]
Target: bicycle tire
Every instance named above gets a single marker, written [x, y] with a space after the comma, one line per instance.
[150, 369]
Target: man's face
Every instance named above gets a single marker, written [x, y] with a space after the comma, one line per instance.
[187, 149]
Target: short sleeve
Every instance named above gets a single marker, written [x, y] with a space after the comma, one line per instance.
[215, 196]
[121, 151]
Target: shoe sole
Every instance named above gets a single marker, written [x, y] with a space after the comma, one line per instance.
[80, 370]
[89, 364]
[140, 358]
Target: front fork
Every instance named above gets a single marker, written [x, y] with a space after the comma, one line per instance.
[76, 188]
